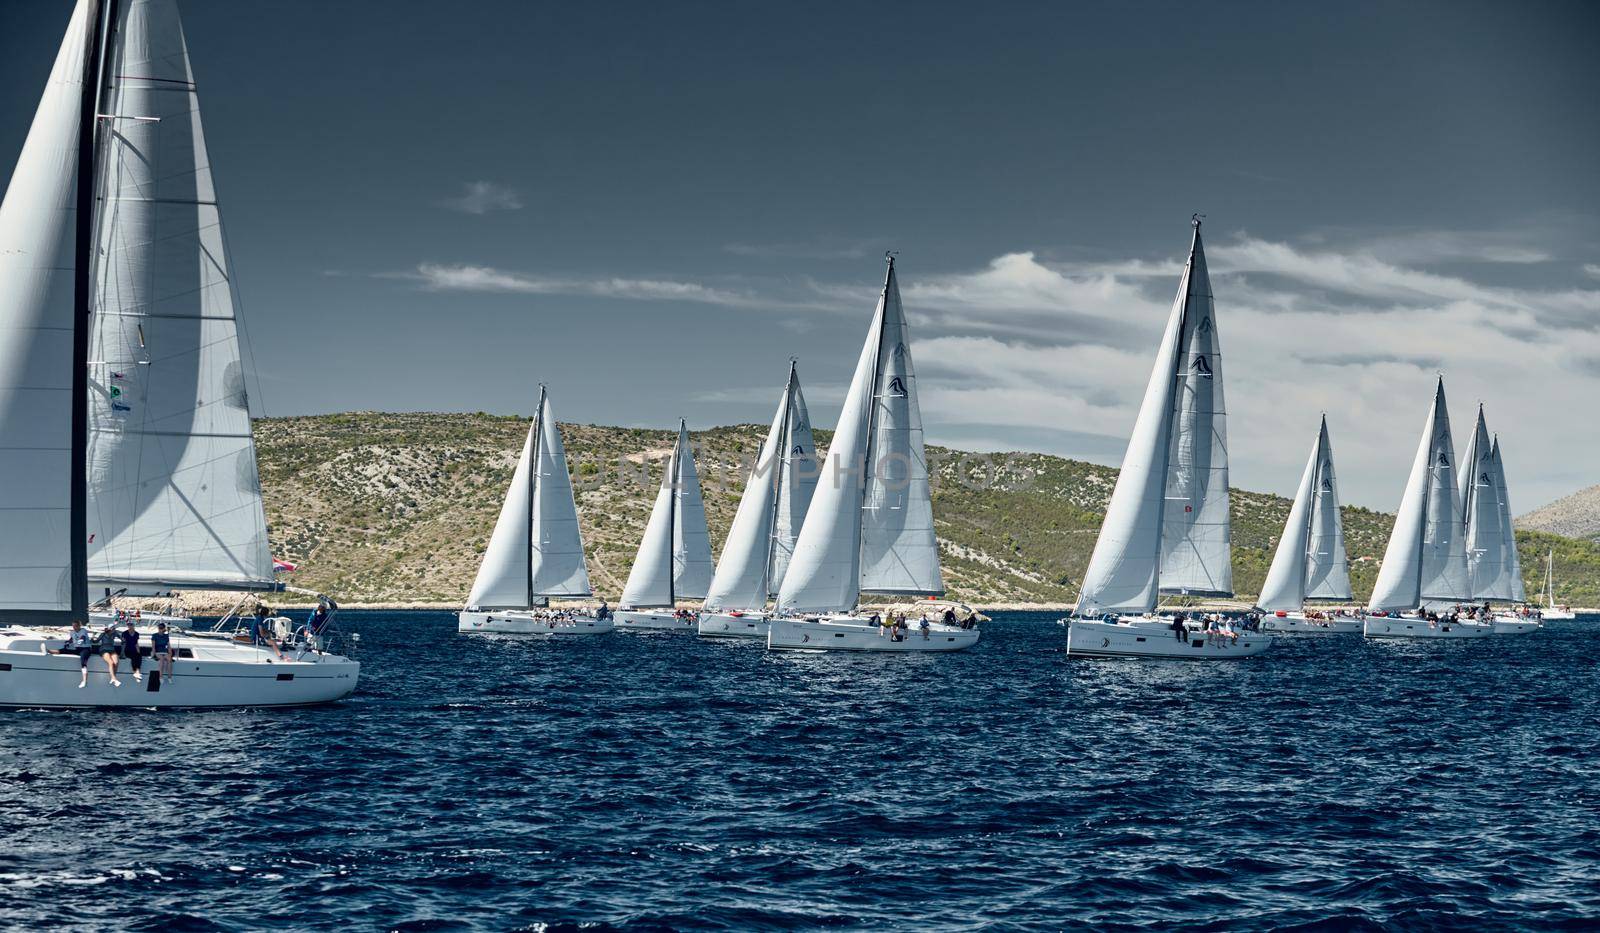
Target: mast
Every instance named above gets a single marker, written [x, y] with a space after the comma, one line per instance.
[533, 489]
[82, 289]
[1316, 483]
[777, 484]
[1172, 394]
[672, 516]
[872, 411]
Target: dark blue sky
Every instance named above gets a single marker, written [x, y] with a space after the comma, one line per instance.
[651, 206]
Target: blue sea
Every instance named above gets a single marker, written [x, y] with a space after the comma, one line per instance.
[662, 781]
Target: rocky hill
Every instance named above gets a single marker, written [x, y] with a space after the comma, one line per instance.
[1574, 516]
[397, 508]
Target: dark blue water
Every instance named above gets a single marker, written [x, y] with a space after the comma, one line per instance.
[664, 781]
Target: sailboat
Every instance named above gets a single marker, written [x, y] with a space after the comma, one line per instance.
[1493, 572]
[536, 549]
[1310, 562]
[762, 537]
[1166, 529]
[1551, 610]
[674, 559]
[870, 524]
[1425, 564]
[125, 446]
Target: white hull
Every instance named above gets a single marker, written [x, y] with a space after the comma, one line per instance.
[218, 673]
[1515, 625]
[1560, 615]
[1402, 627]
[1297, 622]
[1154, 638]
[727, 625]
[847, 633]
[521, 622]
[646, 620]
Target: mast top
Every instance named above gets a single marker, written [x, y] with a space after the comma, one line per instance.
[1194, 220]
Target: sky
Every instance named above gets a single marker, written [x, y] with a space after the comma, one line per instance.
[650, 207]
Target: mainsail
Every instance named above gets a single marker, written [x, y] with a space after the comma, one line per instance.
[174, 494]
[1166, 528]
[536, 549]
[1426, 557]
[1519, 593]
[1488, 565]
[674, 559]
[38, 226]
[775, 498]
[870, 524]
[1310, 562]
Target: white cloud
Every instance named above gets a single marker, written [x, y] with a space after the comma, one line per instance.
[1304, 331]
[481, 197]
[1592, 270]
[468, 278]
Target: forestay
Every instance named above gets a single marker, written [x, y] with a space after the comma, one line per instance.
[174, 495]
[38, 221]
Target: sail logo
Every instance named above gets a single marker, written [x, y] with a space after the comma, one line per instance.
[1327, 484]
[799, 451]
[897, 386]
[1205, 326]
[1483, 478]
[115, 394]
[1201, 366]
[1444, 459]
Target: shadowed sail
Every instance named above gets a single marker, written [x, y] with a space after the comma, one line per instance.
[174, 495]
[1483, 516]
[1166, 529]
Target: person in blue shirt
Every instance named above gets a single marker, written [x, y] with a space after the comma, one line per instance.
[161, 648]
[130, 649]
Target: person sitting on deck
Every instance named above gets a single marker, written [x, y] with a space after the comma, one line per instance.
[130, 649]
[80, 643]
[924, 627]
[109, 645]
[1178, 629]
[261, 630]
[950, 616]
[604, 612]
[161, 649]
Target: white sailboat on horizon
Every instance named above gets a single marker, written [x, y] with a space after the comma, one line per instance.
[1425, 563]
[870, 524]
[536, 549]
[674, 558]
[126, 455]
[761, 540]
[1166, 528]
[1551, 610]
[1494, 572]
[1310, 562]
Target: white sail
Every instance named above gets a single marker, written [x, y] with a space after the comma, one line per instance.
[1196, 556]
[674, 558]
[827, 570]
[1327, 562]
[38, 222]
[1518, 590]
[797, 483]
[1485, 544]
[691, 540]
[503, 576]
[1425, 559]
[1126, 567]
[1285, 586]
[899, 551]
[556, 564]
[762, 535]
[174, 495]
